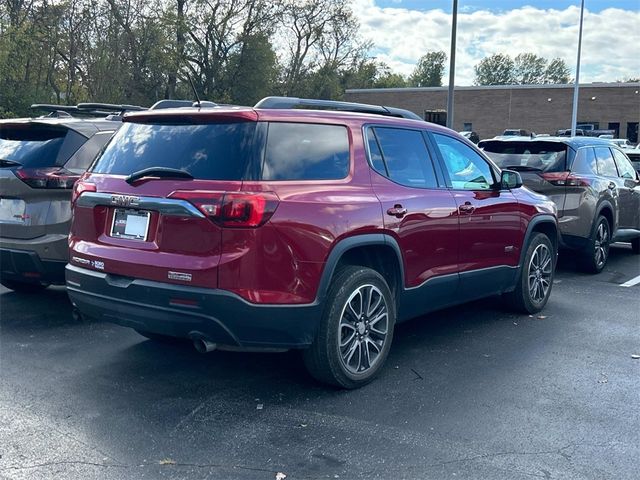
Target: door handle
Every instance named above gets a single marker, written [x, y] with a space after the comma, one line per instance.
[397, 211]
[466, 208]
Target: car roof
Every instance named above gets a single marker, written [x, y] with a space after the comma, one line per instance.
[275, 114]
[84, 126]
[575, 142]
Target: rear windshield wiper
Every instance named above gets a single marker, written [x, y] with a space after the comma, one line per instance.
[9, 163]
[160, 172]
[522, 168]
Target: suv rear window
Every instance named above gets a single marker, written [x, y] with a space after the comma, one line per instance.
[306, 151]
[31, 147]
[211, 151]
[524, 156]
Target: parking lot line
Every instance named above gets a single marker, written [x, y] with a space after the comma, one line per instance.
[632, 282]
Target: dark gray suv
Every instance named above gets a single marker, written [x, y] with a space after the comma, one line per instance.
[593, 183]
[40, 160]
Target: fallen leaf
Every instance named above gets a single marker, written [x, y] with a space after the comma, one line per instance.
[259, 406]
[280, 476]
[167, 461]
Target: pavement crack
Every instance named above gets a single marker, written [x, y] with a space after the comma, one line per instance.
[63, 462]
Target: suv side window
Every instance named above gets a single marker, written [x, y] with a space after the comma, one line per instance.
[604, 160]
[405, 156]
[624, 165]
[87, 153]
[467, 170]
[306, 151]
[585, 162]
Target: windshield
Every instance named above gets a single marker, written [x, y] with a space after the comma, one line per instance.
[543, 156]
[31, 147]
[213, 151]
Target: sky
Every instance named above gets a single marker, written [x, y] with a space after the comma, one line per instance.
[404, 30]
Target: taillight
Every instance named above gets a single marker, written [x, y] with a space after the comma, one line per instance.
[79, 188]
[565, 179]
[232, 209]
[50, 177]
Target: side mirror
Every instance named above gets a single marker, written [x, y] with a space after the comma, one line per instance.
[510, 179]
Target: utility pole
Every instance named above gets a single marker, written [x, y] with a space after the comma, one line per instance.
[452, 65]
[574, 115]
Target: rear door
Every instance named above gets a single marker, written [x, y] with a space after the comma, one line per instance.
[490, 223]
[160, 190]
[629, 190]
[419, 209]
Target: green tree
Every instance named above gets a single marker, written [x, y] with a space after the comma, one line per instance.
[557, 72]
[253, 70]
[497, 69]
[429, 70]
[529, 69]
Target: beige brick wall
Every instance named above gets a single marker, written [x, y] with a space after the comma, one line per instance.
[537, 109]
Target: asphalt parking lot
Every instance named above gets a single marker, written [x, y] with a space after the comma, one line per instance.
[470, 392]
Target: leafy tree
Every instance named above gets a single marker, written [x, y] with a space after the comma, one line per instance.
[529, 68]
[557, 72]
[429, 71]
[497, 69]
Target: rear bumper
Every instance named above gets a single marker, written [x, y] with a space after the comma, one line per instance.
[27, 266]
[190, 312]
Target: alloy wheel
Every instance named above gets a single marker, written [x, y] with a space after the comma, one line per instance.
[363, 329]
[540, 273]
[601, 248]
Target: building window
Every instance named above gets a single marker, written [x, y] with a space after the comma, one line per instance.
[468, 127]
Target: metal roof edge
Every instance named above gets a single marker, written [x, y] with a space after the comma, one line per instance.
[494, 87]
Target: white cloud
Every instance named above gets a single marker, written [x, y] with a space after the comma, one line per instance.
[609, 48]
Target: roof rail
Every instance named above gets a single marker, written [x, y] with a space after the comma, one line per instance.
[110, 107]
[294, 102]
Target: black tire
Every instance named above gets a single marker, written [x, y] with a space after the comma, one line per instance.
[536, 276]
[23, 287]
[595, 257]
[157, 337]
[345, 331]
[635, 246]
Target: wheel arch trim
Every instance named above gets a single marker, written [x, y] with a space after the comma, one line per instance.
[345, 245]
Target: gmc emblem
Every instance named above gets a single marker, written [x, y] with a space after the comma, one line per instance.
[124, 200]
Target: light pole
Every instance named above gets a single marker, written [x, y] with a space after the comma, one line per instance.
[452, 65]
[574, 114]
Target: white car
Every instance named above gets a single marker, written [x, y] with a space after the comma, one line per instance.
[622, 143]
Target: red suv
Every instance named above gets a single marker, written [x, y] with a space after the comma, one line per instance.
[277, 227]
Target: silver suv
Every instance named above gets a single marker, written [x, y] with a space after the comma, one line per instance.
[593, 183]
[40, 160]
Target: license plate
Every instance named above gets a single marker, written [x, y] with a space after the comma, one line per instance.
[12, 210]
[131, 224]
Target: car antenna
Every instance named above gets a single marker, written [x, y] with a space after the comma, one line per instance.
[195, 92]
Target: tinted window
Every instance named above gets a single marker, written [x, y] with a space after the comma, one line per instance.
[298, 151]
[81, 160]
[467, 170]
[523, 156]
[217, 151]
[605, 163]
[31, 147]
[585, 162]
[624, 165]
[375, 154]
[406, 157]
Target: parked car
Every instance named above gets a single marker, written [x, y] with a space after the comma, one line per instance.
[40, 159]
[622, 143]
[284, 227]
[515, 132]
[634, 156]
[471, 135]
[591, 181]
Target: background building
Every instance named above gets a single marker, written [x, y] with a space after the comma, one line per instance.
[489, 110]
